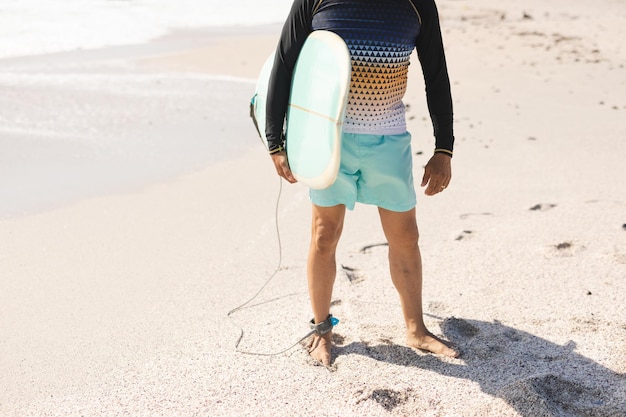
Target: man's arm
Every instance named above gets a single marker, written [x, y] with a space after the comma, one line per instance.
[432, 58]
[295, 31]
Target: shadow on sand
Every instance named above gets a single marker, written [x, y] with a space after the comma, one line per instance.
[535, 376]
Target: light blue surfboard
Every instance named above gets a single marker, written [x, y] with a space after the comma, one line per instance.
[259, 101]
[317, 105]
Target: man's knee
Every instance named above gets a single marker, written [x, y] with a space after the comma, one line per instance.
[325, 234]
[404, 237]
[326, 227]
[407, 239]
[400, 228]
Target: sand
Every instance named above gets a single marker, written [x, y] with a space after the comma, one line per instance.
[114, 296]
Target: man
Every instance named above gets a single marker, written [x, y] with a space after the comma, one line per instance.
[376, 161]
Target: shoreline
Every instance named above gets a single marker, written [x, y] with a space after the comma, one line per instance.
[161, 48]
[130, 101]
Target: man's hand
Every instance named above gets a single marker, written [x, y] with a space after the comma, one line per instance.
[282, 166]
[437, 174]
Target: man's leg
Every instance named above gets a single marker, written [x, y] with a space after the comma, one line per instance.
[327, 224]
[405, 264]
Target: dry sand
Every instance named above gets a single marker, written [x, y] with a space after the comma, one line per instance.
[116, 304]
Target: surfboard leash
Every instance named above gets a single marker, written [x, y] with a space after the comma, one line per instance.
[319, 328]
[278, 266]
[271, 277]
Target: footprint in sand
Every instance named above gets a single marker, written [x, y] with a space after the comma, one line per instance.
[565, 249]
[466, 234]
[390, 399]
[353, 274]
[368, 248]
[542, 207]
[586, 325]
[387, 398]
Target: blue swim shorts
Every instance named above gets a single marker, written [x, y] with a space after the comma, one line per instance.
[375, 169]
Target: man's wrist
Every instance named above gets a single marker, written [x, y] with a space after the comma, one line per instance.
[276, 149]
[444, 151]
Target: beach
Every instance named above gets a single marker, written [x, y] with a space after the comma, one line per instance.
[138, 208]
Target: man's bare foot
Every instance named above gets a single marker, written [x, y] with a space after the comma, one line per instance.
[319, 348]
[431, 343]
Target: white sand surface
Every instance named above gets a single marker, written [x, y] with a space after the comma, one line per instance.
[115, 302]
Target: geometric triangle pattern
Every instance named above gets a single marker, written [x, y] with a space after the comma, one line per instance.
[381, 35]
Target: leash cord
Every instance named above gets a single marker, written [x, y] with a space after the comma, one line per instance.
[278, 266]
[276, 270]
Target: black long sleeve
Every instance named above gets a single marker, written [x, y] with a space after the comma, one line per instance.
[294, 33]
[432, 58]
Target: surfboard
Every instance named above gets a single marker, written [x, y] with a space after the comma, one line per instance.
[317, 105]
[259, 100]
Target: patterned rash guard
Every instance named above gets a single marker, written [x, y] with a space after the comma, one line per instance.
[381, 35]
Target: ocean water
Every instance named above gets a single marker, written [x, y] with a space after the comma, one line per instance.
[66, 136]
[29, 27]
[75, 125]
